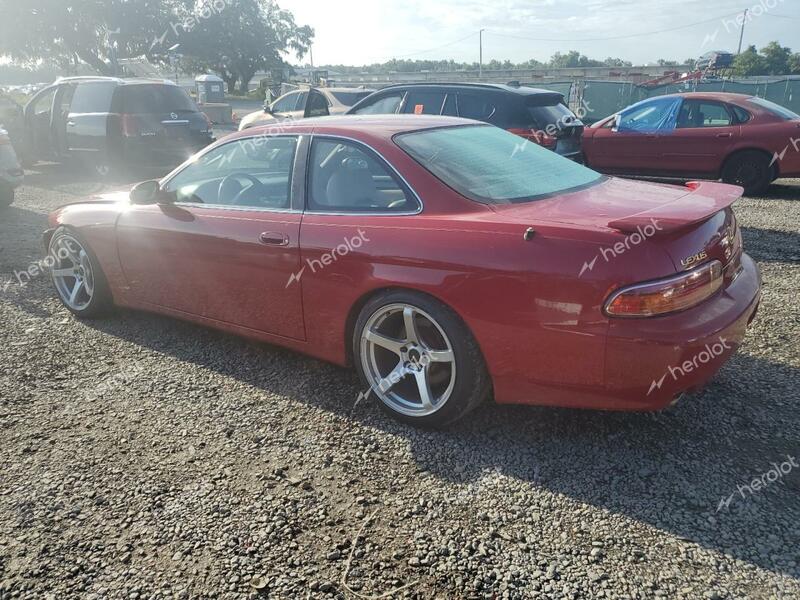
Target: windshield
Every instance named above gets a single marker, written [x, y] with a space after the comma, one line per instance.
[490, 165]
[775, 109]
[350, 98]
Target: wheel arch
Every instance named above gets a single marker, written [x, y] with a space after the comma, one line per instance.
[738, 151]
[361, 301]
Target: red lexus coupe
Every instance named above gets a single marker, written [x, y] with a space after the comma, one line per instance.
[448, 260]
[740, 139]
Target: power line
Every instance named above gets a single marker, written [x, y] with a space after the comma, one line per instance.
[447, 45]
[619, 37]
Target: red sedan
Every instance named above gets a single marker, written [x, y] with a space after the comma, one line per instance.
[446, 259]
[742, 140]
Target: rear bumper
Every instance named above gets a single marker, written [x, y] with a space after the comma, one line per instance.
[153, 154]
[651, 362]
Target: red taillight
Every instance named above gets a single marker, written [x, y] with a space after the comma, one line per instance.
[668, 295]
[537, 137]
[128, 125]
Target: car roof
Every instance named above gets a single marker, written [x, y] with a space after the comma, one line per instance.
[719, 96]
[117, 80]
[521, 90]
[376, 126]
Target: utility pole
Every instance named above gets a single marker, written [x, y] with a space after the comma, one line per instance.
[480, 55]
[311, 52]
[741, 33]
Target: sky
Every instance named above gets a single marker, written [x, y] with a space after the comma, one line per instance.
[357, 32]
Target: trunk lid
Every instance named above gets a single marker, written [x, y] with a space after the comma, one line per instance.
[626, 205]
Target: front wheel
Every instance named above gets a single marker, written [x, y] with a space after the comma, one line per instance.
[77, 276]
[419, 359]
[751, 170]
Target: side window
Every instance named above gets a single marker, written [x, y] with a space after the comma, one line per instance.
[387, 105]
[317, 105]
[286, 103]
[474, 106]
[450, 109]
[251, 172]
[424, 103]
[301, 101]
[695, 113]
[346, 177]
[742, 116]
[44, 104]
[92, 98]
[657, 114]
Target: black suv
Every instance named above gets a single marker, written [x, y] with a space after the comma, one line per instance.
[106, 122]
[540, 116]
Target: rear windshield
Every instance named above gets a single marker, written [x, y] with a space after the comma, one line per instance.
[553, 114]
[156, 98]
[493, 166]
[350, 98]
[775, 109]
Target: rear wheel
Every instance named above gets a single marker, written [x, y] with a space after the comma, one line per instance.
[6, 195]
[751, 170]
[77, 276]
[419, 359]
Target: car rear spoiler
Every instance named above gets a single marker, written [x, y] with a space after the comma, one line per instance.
[704, 199]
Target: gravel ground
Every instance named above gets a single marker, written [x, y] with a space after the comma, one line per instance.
[142, 457]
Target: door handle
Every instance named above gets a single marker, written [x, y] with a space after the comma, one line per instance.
[724, 135]
[273, 239]
[70, 123]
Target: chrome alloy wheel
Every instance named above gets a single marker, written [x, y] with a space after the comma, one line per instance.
[72, 272]
[408, 360]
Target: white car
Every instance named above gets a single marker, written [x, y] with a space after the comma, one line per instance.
[11, 173]
[300, 104]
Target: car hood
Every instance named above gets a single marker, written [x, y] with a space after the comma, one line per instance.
[626, 205]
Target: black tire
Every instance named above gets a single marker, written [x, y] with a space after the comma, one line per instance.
[6, 195]
[472, 381]
[101, 301]
[750, 169]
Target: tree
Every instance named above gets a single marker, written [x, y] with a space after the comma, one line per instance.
[241, 39]
[67, 32]
[749, 62]
[776, 59]
[794, 64]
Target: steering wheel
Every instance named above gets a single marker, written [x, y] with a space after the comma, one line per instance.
[226, 187]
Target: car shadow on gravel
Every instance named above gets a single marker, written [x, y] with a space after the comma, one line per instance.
[770, 245]
[76, 180]
[682, 471]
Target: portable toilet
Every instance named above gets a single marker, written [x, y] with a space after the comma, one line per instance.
[210, 89]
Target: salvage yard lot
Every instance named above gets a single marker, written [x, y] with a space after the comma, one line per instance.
[142, 457]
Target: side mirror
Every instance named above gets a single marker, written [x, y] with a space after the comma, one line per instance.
[149, 192]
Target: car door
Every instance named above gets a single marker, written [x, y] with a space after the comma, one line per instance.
[228, 248]
[705, 133]
[630, 143]
[354, 202]
[87, 122]
[38, 124]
